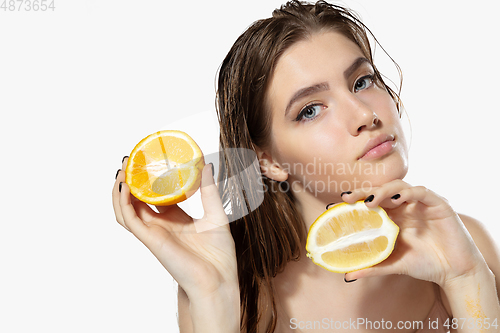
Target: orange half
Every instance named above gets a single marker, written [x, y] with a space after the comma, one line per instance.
[165, 168]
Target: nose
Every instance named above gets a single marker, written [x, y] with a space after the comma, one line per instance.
[369, 120]
[360, 116]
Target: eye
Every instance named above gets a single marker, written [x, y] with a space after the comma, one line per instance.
[363, 83]
[309, 112]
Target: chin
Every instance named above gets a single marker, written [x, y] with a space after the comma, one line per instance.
[392, 171]
[381, 172]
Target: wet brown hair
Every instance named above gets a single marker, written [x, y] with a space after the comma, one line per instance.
[272, 234]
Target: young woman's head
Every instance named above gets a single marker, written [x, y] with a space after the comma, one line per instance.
[301, 90]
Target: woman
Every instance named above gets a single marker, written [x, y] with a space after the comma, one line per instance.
[300, 88]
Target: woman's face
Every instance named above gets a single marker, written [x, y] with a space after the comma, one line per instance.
[333, 128]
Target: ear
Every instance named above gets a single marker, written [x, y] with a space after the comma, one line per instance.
[270, 167]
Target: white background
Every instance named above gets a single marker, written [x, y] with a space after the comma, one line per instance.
[81, 85]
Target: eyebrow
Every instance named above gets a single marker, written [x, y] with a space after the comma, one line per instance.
[355, 65]
[323, 86]
[304, 92]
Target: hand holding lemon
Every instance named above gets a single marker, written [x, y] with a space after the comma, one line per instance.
[164, 169]
[433, 243]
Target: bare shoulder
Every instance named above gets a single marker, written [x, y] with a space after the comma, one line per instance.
[486, 246]
[484, 243]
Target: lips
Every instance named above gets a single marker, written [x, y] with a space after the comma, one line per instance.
[378, 146]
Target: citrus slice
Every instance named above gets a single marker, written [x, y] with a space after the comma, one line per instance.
[350, 237]
[164, 168]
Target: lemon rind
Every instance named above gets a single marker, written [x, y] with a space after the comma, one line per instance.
[312, 249]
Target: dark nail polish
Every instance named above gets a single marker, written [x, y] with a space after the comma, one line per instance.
[370, 198]
[117, 172]
[396, 196]
[347, 281]
[346, 192]
[327, 206]
[212, 165]
[120, 187]
[124, 157]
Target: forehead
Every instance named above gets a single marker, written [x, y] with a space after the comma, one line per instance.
[321, 58]
[323, 52]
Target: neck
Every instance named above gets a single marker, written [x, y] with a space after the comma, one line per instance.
[311, 206]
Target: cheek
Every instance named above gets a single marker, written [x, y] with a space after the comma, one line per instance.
[386, 106]
[395, 121]
[310, 145]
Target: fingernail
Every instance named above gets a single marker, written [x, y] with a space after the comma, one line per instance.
[117, 172]
[120, 187]
[346, 192]
[124, 157]
[396, 196]
[329, 205]
[212, 165]
[370, 198]
[348, 281]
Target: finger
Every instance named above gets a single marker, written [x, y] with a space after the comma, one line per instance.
[146, 213]
[163, 209]
[392, 265]
[421, 194]
[353, 196]
[385, 195]
[175, 213]
[120, 179]
[143, 210]
[357, 194]
[124, 162]
[364, 273]
[116, 198]
[130, 218]
[212, 204]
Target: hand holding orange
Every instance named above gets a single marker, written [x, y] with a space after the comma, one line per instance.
[165, 168]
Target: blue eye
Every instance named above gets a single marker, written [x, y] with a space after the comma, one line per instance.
[363, 83]
[309, 112]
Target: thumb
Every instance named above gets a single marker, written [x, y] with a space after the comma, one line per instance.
[387, 267]
[214, 215]
[367, 272]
